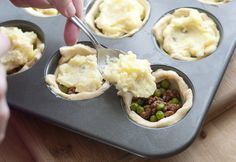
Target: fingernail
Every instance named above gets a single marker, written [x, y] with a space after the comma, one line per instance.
[70, 10]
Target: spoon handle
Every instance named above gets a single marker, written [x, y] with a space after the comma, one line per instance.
[80, 24]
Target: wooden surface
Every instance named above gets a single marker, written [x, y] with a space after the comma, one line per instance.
[29, 139]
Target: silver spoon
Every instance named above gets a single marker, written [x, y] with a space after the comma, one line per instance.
[102, 53]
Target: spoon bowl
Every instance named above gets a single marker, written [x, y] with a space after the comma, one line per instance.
[102, 53]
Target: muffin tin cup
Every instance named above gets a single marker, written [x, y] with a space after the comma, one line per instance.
[215, 20]
[102, 118]
[53, 64]
[26, 26]
[89, 5]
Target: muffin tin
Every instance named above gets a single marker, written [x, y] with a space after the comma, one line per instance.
[103, 117]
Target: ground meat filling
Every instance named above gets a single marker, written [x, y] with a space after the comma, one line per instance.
[163, 103]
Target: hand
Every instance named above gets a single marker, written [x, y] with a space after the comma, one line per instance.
[67, 8]
[4, 110]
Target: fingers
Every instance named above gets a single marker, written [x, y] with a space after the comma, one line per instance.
[3, 82]
[32, 3]
[5, 44]
[78, 7]
[4, 110]
[4, 116]
[67, 8]
[72, 32]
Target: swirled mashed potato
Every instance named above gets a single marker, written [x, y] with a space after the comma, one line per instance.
[215, 2]
[77, 76]
[26, 48]
[130, 74]
[187, 34]
[42, 12]
[117, 18]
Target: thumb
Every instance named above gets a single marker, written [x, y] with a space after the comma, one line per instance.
[65, 7]
[5, 44]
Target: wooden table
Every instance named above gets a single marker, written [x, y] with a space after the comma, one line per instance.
[29, 139]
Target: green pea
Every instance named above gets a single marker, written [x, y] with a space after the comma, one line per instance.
[97, 14]
[153, 118]
[140, 101]
[134, 106]
[165, 84]
[160, 115]
[158, 93]
[161, 106]
[162, 91]
[174, 101]
[140, 109]
[63, 88]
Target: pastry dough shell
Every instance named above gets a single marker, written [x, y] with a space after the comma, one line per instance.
[161, 25]
[186, 96]
[89, 18]
[51, 78]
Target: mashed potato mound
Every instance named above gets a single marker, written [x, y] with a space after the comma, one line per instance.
[80, 72]
[117, 18]
[130, 74]
[26, 48]
[187, 34]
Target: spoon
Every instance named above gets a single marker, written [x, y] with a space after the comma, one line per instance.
[5, 44]
[102, 53]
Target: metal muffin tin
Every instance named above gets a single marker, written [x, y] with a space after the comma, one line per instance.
[103, 117]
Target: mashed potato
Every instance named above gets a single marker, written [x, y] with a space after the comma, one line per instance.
[117, 18]
[26, 48]
[78, 70]
[187, 34]
[42, 12]
[215, 2]
[130, 74]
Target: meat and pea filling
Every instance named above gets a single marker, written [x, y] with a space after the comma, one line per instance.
[163, 103]
[67, 90]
